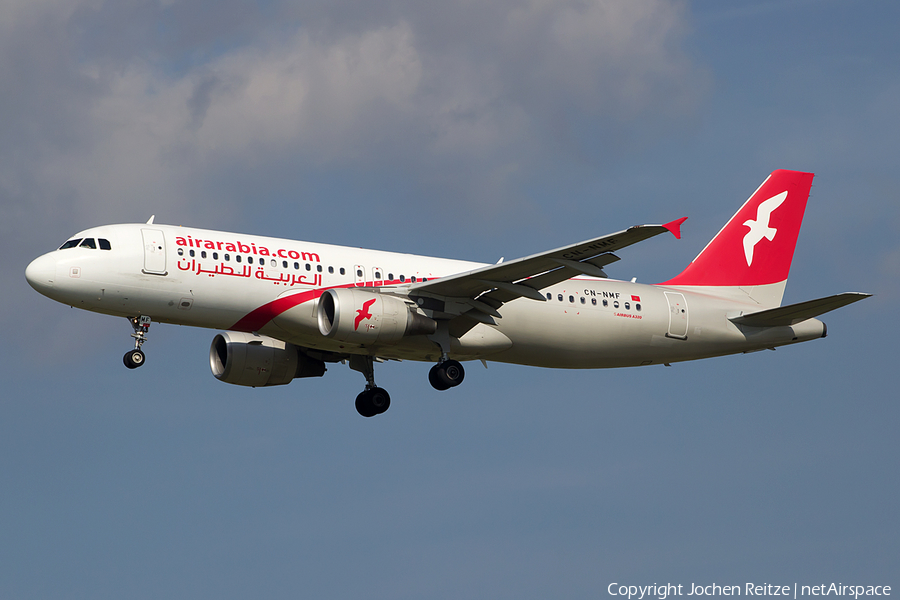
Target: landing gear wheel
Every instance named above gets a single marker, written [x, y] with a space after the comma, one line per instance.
[453, 372]
[373, 401]
[133, 359]
[141, 325]
[446, 375]
[436, 379]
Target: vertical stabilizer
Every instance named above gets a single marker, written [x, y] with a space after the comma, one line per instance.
[751, 256]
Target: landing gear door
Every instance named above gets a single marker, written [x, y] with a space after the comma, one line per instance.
[154, 252]
[678, 316]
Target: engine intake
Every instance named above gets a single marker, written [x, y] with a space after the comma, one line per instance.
[361, 317]
[257, 360]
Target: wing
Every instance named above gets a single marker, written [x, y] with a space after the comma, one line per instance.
[488, 288]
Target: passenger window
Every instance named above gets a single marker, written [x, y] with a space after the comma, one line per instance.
[181, 252]
[331, 269]
[583, 300]
[203, 254]
[616, 304]
[605, 302]
[70, 244]
[390, 276]
[627, 306]
[413, 279]
[215, 256]
[249, 259]
[104, 244]
[549, 296]
[377, 274]
[572, 299]
[308, 267]
[319, 268]
[343, 271]
[237, 258]
[637, 307]
[227, 257]
[594, 301]
[89, 243]
[192, 253]
[274, 263]
[359, 272]
[402, 278]
[559, 297]
[284, 264]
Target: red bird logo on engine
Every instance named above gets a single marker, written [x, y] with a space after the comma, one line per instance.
[363, 313]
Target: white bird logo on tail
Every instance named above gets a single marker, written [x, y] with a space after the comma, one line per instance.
[759, 228]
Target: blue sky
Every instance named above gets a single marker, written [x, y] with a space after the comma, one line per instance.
[469, 131]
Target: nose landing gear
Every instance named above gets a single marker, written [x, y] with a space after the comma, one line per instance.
[135, 358]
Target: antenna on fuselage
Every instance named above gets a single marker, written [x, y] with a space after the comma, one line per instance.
[150, 220]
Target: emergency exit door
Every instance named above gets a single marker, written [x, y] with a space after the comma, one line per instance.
[678, 315]
[154, 251]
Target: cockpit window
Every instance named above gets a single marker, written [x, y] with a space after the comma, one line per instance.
[87, 243]
[70, 244]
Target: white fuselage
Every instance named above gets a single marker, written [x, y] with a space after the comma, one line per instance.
[271, 286]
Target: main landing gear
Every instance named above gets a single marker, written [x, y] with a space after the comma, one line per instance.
[373, 400]
[135, 358]
[446, 374]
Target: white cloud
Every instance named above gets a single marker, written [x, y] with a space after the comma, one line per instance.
[466, 94]
[311, 95]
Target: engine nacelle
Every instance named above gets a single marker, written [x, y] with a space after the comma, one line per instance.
[257, 360]
[357, 316]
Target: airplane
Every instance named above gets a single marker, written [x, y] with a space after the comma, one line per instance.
[289, 307]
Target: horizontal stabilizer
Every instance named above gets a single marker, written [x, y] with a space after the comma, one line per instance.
[795, 313]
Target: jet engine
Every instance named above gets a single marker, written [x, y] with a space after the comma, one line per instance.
[357, 316]
[257, 360]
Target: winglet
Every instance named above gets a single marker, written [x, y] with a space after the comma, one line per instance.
[675, 227]
[150, 220]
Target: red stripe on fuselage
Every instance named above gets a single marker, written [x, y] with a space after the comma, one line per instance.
[257, 318]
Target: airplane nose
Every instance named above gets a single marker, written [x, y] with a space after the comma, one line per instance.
[41, 272]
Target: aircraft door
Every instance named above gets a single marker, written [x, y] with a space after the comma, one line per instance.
[154, 252]
[678, 315]
[359, 275]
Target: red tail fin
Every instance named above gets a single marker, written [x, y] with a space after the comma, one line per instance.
[757, 245]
